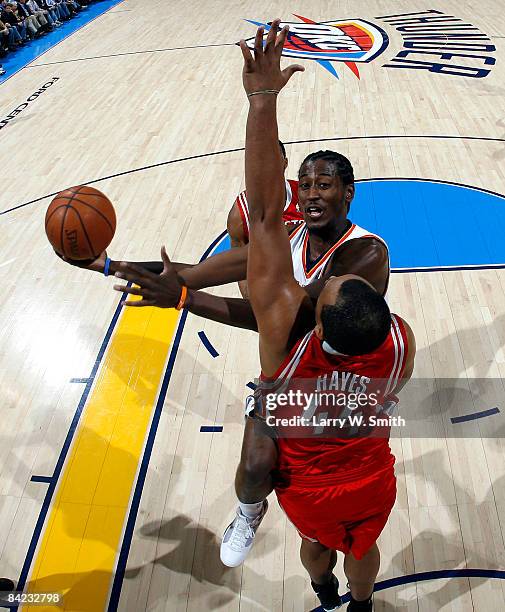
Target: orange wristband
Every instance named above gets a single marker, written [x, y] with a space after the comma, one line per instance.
[182, 301]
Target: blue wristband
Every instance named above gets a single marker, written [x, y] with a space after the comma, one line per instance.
[106, 267]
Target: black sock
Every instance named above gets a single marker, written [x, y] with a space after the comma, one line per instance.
[328, 592]
[360, 606]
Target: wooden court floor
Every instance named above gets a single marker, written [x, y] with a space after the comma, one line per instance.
[110, 493]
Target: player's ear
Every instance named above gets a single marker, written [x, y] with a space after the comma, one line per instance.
[349, 195]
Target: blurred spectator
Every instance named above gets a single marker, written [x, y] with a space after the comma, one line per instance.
[38, 17]
[10, 18]
[13, 37]
[21, 20]
[40, 13]
[61, 8]
[30, 21]
[50, 8]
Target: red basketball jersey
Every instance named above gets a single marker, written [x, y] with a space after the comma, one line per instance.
[313, 459]
[291, 212]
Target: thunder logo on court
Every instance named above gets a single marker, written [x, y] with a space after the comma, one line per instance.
[350, 41]
[432, 42]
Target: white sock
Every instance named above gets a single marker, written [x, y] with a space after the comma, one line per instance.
[250, 510]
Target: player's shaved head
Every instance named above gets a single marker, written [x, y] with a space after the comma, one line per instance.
[351, 316]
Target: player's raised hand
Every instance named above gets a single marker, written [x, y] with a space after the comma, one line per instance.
[262, 73]
[161, 290]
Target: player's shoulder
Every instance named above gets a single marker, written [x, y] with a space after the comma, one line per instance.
[235, 224]
[409, 333]
[371, 246]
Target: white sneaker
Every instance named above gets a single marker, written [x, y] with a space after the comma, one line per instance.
[239, 537]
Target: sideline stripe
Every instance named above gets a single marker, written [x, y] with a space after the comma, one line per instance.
[423, 576]
[215, 247]
[475, 415]
[211, 428]
[77, 553]
[41, 479]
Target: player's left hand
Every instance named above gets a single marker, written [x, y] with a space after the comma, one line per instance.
[161, 290]
[264, 71]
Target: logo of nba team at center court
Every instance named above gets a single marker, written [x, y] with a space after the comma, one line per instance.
[350, 41]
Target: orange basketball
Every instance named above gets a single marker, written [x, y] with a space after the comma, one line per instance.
[80, 222]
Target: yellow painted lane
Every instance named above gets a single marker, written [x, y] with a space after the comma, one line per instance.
[82, 536]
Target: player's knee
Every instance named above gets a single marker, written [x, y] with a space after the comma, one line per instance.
[256, 467]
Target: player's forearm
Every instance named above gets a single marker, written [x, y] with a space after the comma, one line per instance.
[236, 312]
[220, 269]
[156, 267]
[263, 165]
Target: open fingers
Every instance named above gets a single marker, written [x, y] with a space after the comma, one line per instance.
[281, 39]
[246, 54]
[136, 274]
[131, 290]
[258, 42]
[138, 303]
[272, 34]
[290, 70]
[167, 264]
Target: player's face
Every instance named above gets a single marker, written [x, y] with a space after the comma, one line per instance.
[324, 201]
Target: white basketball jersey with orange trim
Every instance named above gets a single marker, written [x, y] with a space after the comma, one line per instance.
[299, 238]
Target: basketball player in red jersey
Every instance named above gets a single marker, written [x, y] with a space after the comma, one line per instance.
[238, 218]
[337, 492]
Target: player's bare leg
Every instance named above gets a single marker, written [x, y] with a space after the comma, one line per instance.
[319, 562]
[253, 483]
[361, 576]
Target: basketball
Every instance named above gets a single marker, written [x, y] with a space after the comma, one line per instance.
[80, 223]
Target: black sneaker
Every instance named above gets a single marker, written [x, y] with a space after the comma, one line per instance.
[328, 594]
[360, 606]
[6, 584]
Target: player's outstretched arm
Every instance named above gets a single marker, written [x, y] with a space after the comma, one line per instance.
[166, 291]
[220, 269]
[275, 296]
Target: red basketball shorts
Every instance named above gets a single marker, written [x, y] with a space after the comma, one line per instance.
[347, 516]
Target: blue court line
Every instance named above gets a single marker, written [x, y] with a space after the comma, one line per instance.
[447, 268]
[475, 415]
[132, 516]
[211, 428]
[423, 576]
[48, 479]
[207, 344]
[251, 386]
[80, 380]
[19, 59]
